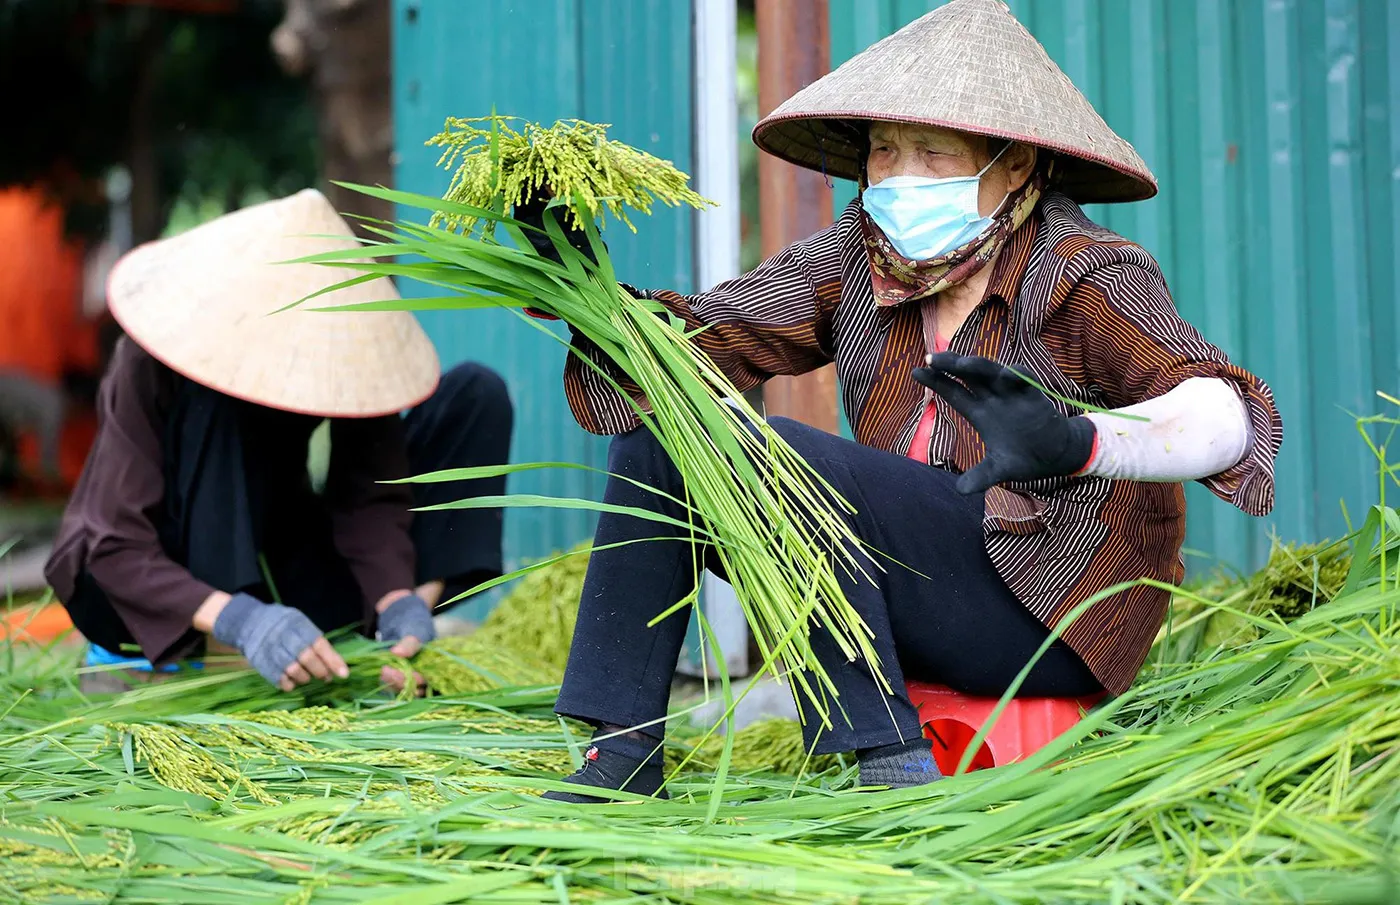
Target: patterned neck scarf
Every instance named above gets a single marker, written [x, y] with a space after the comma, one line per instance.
[898, 279]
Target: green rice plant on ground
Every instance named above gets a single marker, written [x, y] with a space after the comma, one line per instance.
[1296, 579]
[1267, 772]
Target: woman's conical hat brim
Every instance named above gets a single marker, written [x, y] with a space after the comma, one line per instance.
[969, 66]
[206, 304]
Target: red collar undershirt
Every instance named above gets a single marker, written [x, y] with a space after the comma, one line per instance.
[918, 448]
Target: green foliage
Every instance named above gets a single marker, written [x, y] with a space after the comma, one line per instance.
[1296, 578]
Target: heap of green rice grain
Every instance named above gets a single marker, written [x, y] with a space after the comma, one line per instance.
[570, 159]
[772, 745]
[1296, 579]
[536, 619]
[525, 639]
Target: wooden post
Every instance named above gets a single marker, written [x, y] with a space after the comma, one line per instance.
[344, 46]
[794, 50]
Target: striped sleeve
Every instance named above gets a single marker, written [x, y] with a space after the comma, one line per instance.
[776, 319]
[1133, 346]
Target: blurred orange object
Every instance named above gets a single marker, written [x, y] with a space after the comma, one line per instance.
[40, 287]
[41, 623]
[43, 334]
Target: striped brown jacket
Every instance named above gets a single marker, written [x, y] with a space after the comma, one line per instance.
[1086, 311]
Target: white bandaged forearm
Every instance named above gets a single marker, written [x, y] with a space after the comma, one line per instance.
[1196, 430]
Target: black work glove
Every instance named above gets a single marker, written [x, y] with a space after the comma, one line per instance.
[1025, 435]
[532, 212]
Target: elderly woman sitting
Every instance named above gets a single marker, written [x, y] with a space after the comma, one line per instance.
[965, 254]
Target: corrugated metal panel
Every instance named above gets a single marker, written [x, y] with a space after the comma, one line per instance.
[626, 62]
[1274, 129]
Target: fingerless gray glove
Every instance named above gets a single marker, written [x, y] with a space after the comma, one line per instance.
[407, 617]
[270, 635]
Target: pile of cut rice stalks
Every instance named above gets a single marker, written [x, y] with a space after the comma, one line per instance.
[1264, 771]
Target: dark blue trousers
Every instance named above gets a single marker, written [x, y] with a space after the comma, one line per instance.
[956, 623]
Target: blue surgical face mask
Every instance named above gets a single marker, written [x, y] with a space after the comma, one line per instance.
[924, 218]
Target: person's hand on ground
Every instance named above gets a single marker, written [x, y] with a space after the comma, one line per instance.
[408, 622]
[394, 679]
[281, 643]
[1026, 437]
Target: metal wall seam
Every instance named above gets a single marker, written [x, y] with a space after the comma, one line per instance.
[1220, 249]
[1351, 326]
[1392, 93]
[1284, 297]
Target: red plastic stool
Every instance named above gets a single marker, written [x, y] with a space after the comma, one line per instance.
[951, 719]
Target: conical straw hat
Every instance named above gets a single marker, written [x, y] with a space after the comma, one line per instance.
[970, 66]
[203, 303]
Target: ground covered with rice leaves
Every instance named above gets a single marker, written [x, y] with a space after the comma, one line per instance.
[1263, 769]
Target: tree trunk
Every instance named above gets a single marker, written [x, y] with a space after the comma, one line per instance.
[149, 209]
[793, 50]
[344, 47]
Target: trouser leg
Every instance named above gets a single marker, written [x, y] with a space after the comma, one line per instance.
[620, 669]
[932, 598]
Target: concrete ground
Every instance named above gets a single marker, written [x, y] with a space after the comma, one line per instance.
[26, 537]
[22, 571]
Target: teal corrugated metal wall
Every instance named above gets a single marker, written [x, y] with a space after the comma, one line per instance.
[1274, 129]
[625, 62]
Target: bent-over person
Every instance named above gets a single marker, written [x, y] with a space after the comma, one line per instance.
[197, 513]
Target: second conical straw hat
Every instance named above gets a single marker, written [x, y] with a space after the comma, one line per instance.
[969, 66]
[206, 304]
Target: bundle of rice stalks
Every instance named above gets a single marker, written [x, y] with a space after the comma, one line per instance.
[572, 158]
[775, 524]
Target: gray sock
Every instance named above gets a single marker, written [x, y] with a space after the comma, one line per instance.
[900, 765]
